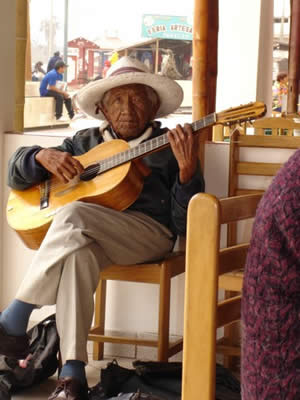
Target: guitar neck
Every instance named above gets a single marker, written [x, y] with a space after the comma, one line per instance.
[150, 146]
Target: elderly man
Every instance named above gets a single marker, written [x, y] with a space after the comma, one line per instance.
[85, 238]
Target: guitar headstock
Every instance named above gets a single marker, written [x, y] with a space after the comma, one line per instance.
[247, 112]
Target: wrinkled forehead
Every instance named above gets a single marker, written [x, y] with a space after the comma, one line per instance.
[134, 88]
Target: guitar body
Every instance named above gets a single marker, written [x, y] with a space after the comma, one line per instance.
[116, 188]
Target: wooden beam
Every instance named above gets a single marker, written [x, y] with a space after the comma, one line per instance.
[28, 72]
[205, 61]
[294, 58]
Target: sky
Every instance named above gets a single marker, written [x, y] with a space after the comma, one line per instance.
[92, 18]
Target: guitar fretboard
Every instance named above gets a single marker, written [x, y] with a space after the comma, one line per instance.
[149, 146]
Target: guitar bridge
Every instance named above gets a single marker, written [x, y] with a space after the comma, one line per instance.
[44, 194]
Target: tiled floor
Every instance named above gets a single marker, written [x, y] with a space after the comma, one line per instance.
[43, 391]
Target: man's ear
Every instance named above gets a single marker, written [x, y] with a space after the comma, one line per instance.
[102, 108]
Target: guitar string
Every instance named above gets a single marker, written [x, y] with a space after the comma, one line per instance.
[115, 160]
[116, 157]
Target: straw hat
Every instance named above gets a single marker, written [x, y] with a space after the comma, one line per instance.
[127, 71]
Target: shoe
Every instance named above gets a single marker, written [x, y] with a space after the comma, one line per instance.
[13, 346]
[69, 389]
[62, 119]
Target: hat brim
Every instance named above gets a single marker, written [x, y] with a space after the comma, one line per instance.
[170, 92]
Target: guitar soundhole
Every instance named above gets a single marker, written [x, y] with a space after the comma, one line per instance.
[90, 172]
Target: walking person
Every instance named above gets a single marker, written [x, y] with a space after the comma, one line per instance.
[53, 60]
[52, 86]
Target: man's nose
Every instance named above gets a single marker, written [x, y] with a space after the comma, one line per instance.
[126, 104]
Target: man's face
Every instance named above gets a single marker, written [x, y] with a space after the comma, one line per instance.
[129, 108]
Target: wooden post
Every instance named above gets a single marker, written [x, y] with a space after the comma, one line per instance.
[28, 67]
[205, 60]
[213, 55]
[156, 56]
[294, 58]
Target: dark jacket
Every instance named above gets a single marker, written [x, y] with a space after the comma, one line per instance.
[163, 197]
[53, 60]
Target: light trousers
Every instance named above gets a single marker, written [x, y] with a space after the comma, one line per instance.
[82, 240]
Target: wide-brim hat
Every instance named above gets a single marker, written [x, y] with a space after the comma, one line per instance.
[128, 71]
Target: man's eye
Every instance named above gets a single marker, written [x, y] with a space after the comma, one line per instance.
[136, 99]
[116, 100]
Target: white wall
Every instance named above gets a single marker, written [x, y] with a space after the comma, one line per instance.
[237, 52]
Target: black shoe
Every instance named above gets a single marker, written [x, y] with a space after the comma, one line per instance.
[69, 389]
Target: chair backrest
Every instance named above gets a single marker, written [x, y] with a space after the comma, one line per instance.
[275, 126]
[205, 262]
[250, 169]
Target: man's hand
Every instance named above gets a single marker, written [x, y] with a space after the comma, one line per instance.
[60, 164]
[185, 149]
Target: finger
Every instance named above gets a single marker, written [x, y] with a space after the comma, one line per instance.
[188, 128]
[174, 140]
[79, 167]
[68, 171]
[61, 177]
[180, 132]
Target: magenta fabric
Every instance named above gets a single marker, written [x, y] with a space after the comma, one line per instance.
[271, 293]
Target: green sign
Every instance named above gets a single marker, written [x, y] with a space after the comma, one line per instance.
[167, 27]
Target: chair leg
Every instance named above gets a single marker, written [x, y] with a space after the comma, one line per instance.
[233, 335]
[100, 302]
[164, 313]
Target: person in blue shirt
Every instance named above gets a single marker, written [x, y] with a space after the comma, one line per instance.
[50, 88]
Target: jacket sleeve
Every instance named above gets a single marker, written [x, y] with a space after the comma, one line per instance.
[180, 197]
[23, 169]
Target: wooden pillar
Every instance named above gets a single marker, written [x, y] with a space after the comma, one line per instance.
[265, 55]
[28, 62]
[205, 61]
[21, 39]
[294, 58]
[156, 56]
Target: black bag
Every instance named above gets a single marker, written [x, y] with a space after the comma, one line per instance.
[44, 346]
[159, 379]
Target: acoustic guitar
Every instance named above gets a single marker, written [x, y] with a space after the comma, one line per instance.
[113, 177]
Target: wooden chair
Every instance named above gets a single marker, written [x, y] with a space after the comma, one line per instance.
[276, 126]
[206, 264]
[238, 168]
[248, 177]
[159, 273]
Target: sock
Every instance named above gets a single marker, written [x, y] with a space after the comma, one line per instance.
[74, 369]
[15, 317]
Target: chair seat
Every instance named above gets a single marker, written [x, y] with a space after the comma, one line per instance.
[232, 281]
[145, 273]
